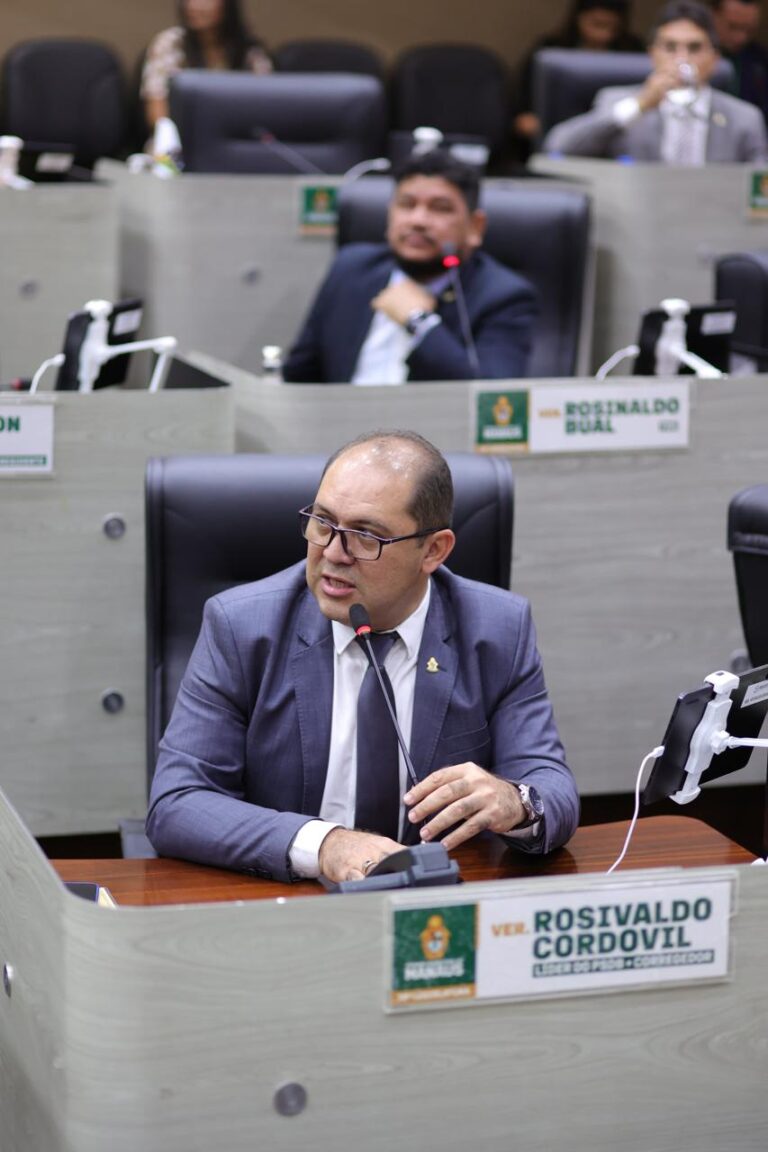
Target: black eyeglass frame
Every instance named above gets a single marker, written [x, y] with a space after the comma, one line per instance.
[305, 515]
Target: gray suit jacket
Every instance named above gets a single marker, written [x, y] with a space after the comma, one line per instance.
[736, 131]
[243, 762]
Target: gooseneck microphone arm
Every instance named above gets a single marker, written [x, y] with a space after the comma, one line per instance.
[452, 264]
[293, 158]
[361, 622]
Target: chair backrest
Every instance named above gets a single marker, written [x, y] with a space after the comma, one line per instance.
[215, 522]
[283, 123]
[748, 540]
[462, 89]
[326, 55]
[566, 80]
[742, 277]
[65, 92]
[542, 233]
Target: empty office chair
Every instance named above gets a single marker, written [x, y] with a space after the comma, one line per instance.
[215, 522]
[462, 89]
[542, 233]
[327, 55]
[748, 540]
[68, 93]
[566, 80]
[284, 123]
[743, 279]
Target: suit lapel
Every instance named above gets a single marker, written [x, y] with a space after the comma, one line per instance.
[719, 130]
[436, 669]
[312, 670]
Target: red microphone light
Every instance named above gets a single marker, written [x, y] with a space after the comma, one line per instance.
[451, 261]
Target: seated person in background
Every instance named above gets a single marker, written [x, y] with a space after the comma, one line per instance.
[736, 24]
[675, 116]
[387, 313]
[592, 25]
[260, 769]
[209, 34]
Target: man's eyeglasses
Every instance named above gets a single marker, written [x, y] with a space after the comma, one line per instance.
[359, 545]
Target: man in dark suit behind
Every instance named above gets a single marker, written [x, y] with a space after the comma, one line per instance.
[389, 312]
[261, 768]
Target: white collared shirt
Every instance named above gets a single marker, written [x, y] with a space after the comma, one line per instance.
[690, 118]
[386, 348]
[350, 664]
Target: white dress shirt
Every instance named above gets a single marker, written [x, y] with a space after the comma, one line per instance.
[383, 355]
[350, 664]
[684, 124]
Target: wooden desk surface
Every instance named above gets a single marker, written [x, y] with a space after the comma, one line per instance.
[658, 842]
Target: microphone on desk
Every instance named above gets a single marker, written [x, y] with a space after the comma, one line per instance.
[452, 264]
[419, 866]
[295, 159]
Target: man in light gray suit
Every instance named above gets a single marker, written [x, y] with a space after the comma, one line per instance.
[259, 769]
[675, 117]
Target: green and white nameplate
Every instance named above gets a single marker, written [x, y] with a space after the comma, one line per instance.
[26, 439]
[601, 938]
[590, 417]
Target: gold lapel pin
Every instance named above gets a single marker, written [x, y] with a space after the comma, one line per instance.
[719, 119]
[432, 665]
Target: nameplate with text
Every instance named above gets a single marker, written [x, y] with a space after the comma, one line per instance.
[26, 439]
[590, 417]
[602, 938]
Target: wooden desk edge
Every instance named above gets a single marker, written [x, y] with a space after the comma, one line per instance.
[658, 842]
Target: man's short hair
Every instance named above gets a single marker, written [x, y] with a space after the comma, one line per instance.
[440, 162]
[431, 504]
[698, 14]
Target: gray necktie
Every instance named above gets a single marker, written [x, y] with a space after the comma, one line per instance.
[378, 769]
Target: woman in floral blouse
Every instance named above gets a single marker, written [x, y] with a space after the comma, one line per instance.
[209, 34]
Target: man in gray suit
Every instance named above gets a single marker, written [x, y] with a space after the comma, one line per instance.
[675, 117]
[260, 767]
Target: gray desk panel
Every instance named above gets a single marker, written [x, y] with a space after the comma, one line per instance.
[659, 231]
[170, 1029]
[59, 247]
[71, 611]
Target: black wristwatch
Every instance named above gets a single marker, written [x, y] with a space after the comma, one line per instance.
[532, 803]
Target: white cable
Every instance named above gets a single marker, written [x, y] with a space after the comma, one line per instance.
[652, 755]
[52, 362]
[616, 358]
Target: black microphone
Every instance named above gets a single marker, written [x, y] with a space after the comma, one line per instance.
[452, 264]
[292, 156]
[361, 622]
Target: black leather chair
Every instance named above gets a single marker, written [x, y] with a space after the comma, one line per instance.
[542, 233]
[326, 55]
[462, 89]
[743, 278]
[283, 123]
[215, 522]
[748, 540]
[566, 80]
[69, 93]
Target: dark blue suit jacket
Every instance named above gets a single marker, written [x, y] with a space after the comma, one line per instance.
[243, 762]
[500, 304]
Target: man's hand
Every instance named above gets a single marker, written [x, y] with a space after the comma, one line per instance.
[349, 855]
[467, 795]
[657, 85]
[398, 300]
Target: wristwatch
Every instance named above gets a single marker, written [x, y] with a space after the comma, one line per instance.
[532, 803]
[415, 319]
